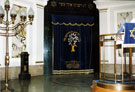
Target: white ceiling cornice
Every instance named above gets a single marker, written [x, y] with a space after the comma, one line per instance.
[112, 3]
[40, 2]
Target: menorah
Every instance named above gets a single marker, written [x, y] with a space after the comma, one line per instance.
[7, 32]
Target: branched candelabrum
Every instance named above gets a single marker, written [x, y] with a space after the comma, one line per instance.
[6, 30]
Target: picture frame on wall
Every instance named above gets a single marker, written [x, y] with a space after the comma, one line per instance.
[121, 17]
[19, 40]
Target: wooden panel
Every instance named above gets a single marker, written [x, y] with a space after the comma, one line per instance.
[96, 88]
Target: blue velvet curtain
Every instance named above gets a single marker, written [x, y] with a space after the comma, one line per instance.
[75, 54]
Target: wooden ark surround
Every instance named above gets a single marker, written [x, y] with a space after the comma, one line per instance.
[69, 7]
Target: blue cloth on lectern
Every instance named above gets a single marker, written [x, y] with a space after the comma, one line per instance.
[129, 29]
[121, 29]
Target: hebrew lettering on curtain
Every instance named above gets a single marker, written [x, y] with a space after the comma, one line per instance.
[72, 42]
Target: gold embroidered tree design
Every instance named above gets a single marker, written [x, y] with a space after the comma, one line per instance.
[73, 38]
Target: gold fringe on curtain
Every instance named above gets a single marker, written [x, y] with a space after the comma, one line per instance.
[70, 24]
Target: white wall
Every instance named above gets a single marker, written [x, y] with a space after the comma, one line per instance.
[108, 19]
[108, 10]
[35, 34]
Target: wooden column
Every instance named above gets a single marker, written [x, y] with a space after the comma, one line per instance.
[130, 63]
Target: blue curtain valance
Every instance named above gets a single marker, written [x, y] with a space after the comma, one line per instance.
[68, 20]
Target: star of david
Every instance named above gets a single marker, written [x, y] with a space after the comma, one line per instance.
[131, 31]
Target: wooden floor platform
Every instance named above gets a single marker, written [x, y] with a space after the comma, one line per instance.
[109, 87]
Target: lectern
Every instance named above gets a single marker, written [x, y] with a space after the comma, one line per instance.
[116, 81]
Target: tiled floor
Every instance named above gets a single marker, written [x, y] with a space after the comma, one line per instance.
[53, 83]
